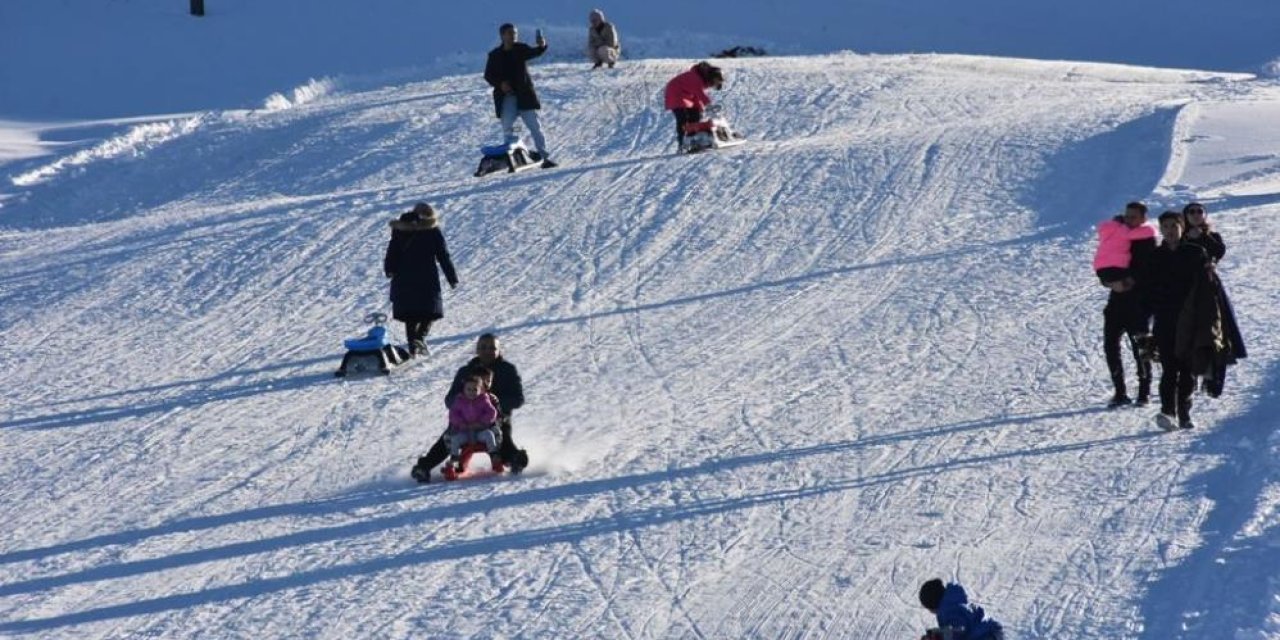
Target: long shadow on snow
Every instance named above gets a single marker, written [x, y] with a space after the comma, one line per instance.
[1227, 582]
[750, 288]
[521, 540]
[1093, 177]
[1226, 203]
[225, 375]
[205, 396]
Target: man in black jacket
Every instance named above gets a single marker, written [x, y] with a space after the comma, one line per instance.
[1170, 274]
[508, 388]
[507, 72]
[1125, 315]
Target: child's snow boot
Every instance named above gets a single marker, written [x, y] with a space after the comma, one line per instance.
[1144, 392]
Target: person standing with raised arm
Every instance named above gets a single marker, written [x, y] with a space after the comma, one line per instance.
[507, 71]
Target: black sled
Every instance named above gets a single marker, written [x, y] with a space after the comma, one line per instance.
[510, 157]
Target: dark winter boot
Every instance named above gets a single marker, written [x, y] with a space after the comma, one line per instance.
[548, 164]
[518, 461]
[418, 349]
[1144, 392]
[1120, 399]
[420, 473]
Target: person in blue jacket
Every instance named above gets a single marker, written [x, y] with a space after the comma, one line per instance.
[957, 619]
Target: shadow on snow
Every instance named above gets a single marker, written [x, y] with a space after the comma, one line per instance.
[514, 541]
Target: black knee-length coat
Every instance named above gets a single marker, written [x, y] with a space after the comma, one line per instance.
[416, 246]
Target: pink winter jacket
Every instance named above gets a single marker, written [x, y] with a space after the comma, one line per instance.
[1114, 238]
[686, 91]
[470, 411]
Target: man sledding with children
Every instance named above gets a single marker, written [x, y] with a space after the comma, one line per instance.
[484, 393]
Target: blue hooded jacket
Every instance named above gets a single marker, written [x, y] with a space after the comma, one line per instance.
[955, 611]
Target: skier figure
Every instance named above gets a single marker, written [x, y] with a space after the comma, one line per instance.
[602, 40]
[1124, 242]
[507, 72]
[416, 246]
[507, 390]
[686, 95]
[473, 416]
[957, 619]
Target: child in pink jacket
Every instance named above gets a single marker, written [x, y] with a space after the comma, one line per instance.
[686, 94]
[1115, 239]
[473, 417]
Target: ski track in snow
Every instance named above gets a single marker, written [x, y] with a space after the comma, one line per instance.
[771, 389]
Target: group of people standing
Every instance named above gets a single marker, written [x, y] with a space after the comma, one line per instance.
[1167, 299]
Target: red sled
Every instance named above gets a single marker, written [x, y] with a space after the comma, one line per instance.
[458, 468]
[713, 132]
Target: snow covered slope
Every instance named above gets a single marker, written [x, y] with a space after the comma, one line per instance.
[770, 389]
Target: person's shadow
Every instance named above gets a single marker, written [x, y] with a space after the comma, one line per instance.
[531, 538]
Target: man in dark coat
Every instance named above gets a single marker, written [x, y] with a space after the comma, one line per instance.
[1125, 315]
[1172, 270]
[508, 388]
[507, 71]
[416, 246]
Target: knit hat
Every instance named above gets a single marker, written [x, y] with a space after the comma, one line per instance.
[596, 16]
[931, 594]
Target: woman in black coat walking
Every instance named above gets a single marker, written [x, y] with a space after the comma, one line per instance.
[417, 244]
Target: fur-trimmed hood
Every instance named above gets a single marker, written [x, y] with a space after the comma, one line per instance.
[421, 218]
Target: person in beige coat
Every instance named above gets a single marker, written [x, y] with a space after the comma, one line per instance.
[603, 46]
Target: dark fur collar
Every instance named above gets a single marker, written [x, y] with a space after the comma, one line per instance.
[420, 224]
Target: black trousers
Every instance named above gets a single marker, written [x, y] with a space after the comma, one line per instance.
[1176, 380]
[416, 331]
[683, 116]
[1123, 317]
[440, 450]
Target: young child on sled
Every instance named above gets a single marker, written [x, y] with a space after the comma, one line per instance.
[473, 418]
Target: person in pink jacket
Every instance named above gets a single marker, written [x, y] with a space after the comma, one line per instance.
[1115, 241]
[686, 94]
[473, 416]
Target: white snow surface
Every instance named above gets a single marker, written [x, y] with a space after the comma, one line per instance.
[770, 389]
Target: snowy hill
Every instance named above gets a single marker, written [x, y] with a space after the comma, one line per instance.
[771, 389]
